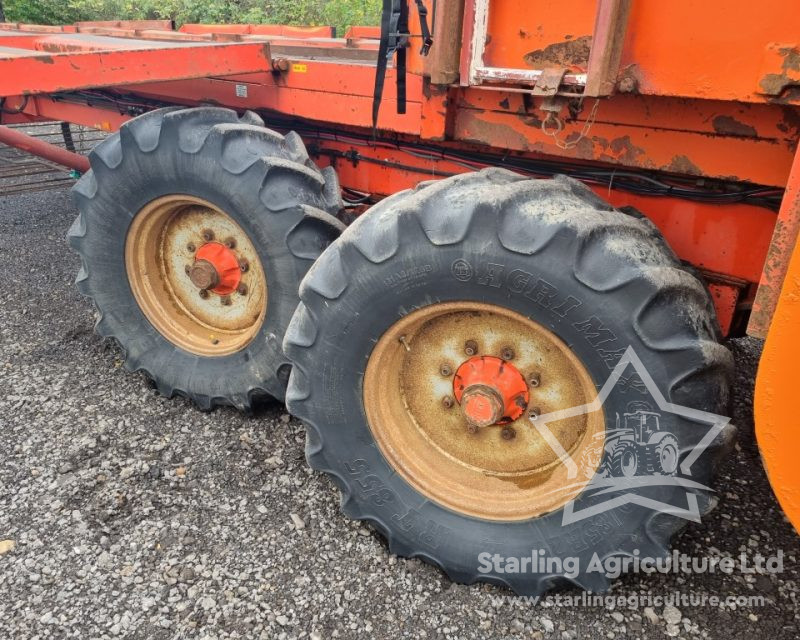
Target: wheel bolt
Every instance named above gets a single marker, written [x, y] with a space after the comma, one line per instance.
[242, 289]
[470, 347]
[534, 380]
[534, 413]
[445, 370]
[230, 243]
[472, 428]
[187, 269]
[203, 293]
[447, 402]
[244, 265]
[226, 300]
[191, 247]
[508, 433]
[208, 235]
[507, 353]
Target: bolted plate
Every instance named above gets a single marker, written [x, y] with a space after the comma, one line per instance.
[477, 472]
[160, 253]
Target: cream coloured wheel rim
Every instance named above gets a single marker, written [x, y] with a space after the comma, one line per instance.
[196, 275]
[423, 432]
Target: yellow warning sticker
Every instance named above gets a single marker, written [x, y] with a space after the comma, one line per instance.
[299, 68]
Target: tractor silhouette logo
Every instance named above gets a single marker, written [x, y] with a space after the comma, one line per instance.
[637, 453]
[636, 446]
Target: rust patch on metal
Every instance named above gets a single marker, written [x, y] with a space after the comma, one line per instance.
[682, 164]
[629, 80]
[791, 121]
[775, 83]
[730, 126]
[624, 150]
[570, 53]
[495, 134]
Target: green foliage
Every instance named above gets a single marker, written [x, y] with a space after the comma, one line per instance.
[338, 13]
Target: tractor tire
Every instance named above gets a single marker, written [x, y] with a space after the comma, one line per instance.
[376, 340]
[625, 461]
[662, 457]
[144, 206]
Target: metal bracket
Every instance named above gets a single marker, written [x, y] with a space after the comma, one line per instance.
[549, 82]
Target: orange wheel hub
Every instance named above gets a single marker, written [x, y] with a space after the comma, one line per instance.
[174, 264]
[216, 268]
[490, 391]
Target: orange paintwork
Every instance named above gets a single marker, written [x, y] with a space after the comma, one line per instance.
[784, 239]
[711, 92]
[709, 50]
[260, 29]
[355, 32]
[225, 263]
[69, 62]
[776, 411]
[501, 377]
[709, 138]
[693, 229]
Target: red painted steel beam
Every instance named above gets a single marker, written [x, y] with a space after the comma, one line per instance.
[47, 72]
[37, 147]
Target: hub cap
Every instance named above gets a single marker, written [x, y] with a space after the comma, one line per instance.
[216, 268]
[196, 275]
[490, 391]
[449, 393]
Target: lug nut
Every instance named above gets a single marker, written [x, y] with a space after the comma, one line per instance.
[242, 289]
[534, 413]
[244, 265]
[470, 347]
[230, 243]
[472, 428]
[226, 300]
[203, 294]
[187, 269]
[534, 380]
[507, 353]
[445, 370]
[191, 247]
[208, 235]
[447, 402]
[508, 433]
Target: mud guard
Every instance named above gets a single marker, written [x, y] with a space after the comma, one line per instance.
[777, 430]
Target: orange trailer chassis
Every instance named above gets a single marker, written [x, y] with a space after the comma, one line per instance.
[703, 139]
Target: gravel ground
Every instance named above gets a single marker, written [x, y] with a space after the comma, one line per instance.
[123, 514]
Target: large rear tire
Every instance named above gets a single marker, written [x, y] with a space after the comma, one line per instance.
[177, 188]
[547, 267]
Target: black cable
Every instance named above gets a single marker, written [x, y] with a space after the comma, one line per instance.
[642, 182]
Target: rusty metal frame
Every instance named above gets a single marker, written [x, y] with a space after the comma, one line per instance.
[611, 25]
[600, 80]
[475, 72]
[781, 249]
[330, 81]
